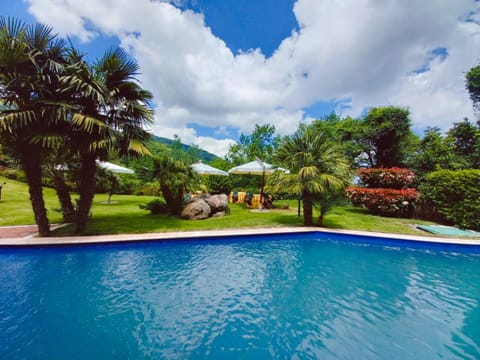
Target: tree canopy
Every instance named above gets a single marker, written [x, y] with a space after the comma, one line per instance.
[318, 170]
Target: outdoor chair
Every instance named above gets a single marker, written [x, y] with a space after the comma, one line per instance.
[248, 200]
[267, 201]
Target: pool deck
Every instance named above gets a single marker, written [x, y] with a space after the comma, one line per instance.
[18, 238]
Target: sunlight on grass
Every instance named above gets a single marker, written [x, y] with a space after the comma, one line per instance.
[124, 215]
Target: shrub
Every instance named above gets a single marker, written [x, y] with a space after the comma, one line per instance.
[455, 195]
[393, 178]
[150, 189]
[155, 206]
[14, 174]
[385, 202]
[128, 185]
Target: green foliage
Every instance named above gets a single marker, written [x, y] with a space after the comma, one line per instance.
[433, 153]
[150, 188]
[14, 174]
[473, 85]
[259, 144]
[455, 195]
[349, 133]
[176, 178]
[318, 170]
[125, 217]
[464, 139]
[156, 206]
[387, 132]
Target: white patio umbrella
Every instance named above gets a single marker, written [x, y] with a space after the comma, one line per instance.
[256, 167]
[205, 169]
[114, 167]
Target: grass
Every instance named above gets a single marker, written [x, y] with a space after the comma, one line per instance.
[15, 206]
[124, 215]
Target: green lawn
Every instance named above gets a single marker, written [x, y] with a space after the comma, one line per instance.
[125, 216]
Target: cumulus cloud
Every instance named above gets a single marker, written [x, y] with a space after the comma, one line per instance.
[366, 52]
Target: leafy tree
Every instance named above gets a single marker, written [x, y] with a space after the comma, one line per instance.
[433, 153]
[32, 62]
[318, 170]
[259, 144]
[347, 132]
[473, 86]
[464, 138]
[387, 134]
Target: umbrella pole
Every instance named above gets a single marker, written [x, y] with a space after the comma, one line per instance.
[261, 190]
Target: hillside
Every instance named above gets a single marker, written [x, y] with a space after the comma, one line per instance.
[201, 154]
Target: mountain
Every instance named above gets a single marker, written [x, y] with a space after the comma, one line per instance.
[201, 154]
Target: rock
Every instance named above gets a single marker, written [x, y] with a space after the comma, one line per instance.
[217, 202]
[196, 210]
[219, 214]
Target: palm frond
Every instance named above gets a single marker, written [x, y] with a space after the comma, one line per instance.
[48, 141]
[16, 120]
[138, 148]
[89, 123]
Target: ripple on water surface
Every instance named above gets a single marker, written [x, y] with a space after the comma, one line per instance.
[303, 297]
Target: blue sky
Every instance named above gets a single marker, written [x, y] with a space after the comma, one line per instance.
[218, 67]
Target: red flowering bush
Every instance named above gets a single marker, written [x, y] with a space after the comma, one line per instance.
[393, 178]
[385, 202]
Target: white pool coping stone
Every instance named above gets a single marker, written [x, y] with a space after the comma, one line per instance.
[105, 239]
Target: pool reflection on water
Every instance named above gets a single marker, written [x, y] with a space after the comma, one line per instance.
[305, 296]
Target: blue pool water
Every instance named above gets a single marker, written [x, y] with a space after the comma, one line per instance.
[306, 296]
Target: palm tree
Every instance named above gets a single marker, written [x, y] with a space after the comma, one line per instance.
[318, 170]
[32, 60]
[111, 114]
[175, 178]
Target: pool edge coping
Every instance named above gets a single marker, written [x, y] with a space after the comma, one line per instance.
[128, 238]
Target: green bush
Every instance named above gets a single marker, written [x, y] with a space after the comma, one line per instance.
[14, 174]
[128, 185]
[455, 195]
[149, 188]
[155, 206]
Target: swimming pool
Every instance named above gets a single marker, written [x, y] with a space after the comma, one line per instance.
[304, 296]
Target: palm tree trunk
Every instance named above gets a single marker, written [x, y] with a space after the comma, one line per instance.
[68, 210]
[320, 218]
[307, 209]
[86, 190]
[33, 171]
[173, 200]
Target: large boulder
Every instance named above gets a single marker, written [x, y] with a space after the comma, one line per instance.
[217, 203]
[196, 210]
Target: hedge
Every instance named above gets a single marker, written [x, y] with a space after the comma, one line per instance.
[393, 178]
[385, 202]
[455, 195]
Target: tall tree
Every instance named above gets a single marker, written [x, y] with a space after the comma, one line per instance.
[318, 170]
[387, 132]
[348, 132]
[32, 61]
[433, 153]
[473, 86]
[464, 138]
[111, 113]
[259, 144]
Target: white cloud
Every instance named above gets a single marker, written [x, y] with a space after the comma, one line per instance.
[365, 51]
